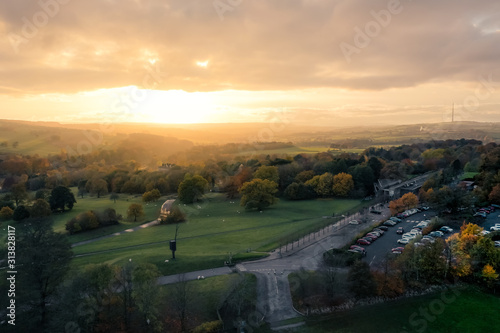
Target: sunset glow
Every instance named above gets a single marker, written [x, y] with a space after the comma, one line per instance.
[320, 61]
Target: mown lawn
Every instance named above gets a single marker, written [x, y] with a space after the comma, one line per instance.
[214, 229]
[468, 311]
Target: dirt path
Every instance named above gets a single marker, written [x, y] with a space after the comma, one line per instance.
[142, 226]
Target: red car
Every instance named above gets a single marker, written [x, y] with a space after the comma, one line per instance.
[352, 247]
[400, 249]
[362, 241]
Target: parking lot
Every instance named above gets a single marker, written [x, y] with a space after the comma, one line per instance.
[381, 248]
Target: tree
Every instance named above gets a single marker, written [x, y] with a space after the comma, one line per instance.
[258, 194]
[299, 191]
[19, 193]
[114, 197]
[20, 213]
[152, 195]
[192, 188]
[375, 164]
[325, 185]
[489, 275]
[135, 210]
[147, 294]
[304, 176]
[6, 213]
[342, 184]
[361, 281]
[44, 256]
[40, 208]
[409, 200]
[97, 186]
[494, 195]
[60, 198]
[82, 184]
[267, 172]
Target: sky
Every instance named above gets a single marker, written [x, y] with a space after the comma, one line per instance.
[316, 62]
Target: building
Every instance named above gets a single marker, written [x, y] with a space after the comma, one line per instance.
[165, 208]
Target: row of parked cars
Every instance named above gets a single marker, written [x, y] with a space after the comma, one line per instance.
[372, 236]
[483, 212]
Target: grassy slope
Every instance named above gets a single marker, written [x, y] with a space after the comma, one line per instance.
[471, 311]
[208, 294]
[214, 230]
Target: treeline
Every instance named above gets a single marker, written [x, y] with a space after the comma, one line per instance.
[302, 176]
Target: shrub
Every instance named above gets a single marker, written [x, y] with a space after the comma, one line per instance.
[92, 220]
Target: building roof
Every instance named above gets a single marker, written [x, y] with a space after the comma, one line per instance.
[167, 205]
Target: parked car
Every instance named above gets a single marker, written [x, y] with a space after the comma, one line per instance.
[389, 223]
[424, 208]
[480, 214]
[495, 228]
[446, 229]
[383, 227]
[374, 237]
[437, 234]
[363, 241]
[395, 219]
[403, 241]
[428, 239]
[497, 243]
[400, 231]
[352, 247]
[354, 222]
[380, 231]
[357, 251]
[399, 248]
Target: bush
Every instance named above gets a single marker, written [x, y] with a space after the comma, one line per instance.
[209, 327]
[20, 213]
[6, 213]
[92, 220]
[341, 258]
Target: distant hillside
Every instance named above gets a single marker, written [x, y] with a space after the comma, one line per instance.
[163, 140]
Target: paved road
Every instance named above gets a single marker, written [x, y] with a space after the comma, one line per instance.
[273, 290]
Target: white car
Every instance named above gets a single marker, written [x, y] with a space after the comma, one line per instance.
[495, 228]
[354, 222]
[408, 236]
[497, 243]
[403, 241]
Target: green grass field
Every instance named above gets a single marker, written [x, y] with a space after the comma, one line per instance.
[151, 212]
[467, 175]
[207, 295]
[469, 311]
[214, 228]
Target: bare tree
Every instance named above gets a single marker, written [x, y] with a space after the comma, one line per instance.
[180, 300]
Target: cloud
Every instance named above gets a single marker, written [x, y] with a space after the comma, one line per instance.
[260, 45]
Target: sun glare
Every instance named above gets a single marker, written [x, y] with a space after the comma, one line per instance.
[203, 64]
[176, 107]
